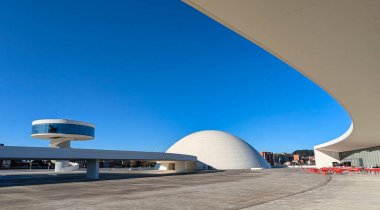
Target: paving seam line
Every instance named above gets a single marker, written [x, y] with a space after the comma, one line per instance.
[303, 191]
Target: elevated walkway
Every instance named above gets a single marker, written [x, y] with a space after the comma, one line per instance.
[92, 156]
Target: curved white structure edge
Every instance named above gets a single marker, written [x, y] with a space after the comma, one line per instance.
[218, 150]
[336, 44]
[63, 121]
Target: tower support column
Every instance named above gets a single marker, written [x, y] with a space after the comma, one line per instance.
[92, 169]
[60, 143]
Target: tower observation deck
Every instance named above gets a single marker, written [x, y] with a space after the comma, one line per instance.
[61, 132]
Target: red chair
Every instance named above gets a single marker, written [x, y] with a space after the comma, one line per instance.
[338, 171]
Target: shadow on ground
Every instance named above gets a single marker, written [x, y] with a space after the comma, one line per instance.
[52, 178]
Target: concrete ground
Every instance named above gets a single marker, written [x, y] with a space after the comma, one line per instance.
[342, 192]
[122, 189]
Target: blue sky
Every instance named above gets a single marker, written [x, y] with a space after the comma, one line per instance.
[148, 73]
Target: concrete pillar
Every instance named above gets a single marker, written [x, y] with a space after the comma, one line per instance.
[60, 143]
[59, 164]
[191, 166]
[92, 169]
[180, 166]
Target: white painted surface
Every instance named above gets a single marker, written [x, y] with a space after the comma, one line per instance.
[335, 141]
[71, 137]
[62, 121]
[253, 169]
[325, 158]
[46, 153]
[219, 150]
[180, 166]
[336, 44]
[191, 166]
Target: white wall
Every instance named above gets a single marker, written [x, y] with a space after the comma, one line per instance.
[325, 158]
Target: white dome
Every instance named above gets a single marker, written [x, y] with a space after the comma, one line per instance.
[219, 150]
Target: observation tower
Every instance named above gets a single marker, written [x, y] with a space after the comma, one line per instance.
[61, 132]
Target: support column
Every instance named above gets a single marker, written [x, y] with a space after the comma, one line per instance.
[60, 143]
[92, 169]
[59, 164]
[191, 166]
[180, 166]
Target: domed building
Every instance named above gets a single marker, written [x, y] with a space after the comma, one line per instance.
[218, 150]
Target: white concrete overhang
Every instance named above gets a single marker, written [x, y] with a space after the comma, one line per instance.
[62, 121]
[336, 44]
[46, 153]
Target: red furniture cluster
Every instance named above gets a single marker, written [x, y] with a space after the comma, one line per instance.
[342, 170]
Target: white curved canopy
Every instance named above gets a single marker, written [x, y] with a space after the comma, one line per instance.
[335, 43]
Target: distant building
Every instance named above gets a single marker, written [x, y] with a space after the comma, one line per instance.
[311, 160]
[282, 158]
[268, 156]
[297, 157]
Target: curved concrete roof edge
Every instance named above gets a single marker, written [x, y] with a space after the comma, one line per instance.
[62, 121]
[333, 43]
[337, 140]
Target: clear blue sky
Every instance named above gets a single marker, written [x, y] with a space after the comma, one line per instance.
[148, 73]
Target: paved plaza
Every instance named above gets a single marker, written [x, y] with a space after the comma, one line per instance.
[237, 189]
